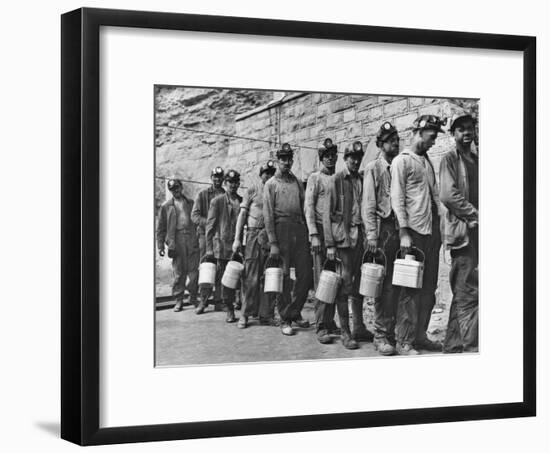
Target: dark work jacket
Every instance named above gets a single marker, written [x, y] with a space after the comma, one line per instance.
[167, 220]
[454, 193]
[199, 213]
[220, 226]
[338, 210]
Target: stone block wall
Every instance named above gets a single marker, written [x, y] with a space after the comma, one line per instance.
[305, 119]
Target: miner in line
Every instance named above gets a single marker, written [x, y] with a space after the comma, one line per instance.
[458, 177]
[415, 201]
[220, 232]
[317, 190]
[344, 238]
[382, 233]
[176, 231]
[199, 215]
[256, 251]
[283, 208]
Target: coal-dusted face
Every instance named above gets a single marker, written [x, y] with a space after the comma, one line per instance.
[329, 159]
[233, 186]
[353, 162]
[217, 181]
[391, 145]
[285, 163]
[427, 139]
[464, 132]
[176, 191]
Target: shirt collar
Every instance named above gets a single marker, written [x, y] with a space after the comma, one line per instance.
[279, 175]
[325, 170]
[383, 162]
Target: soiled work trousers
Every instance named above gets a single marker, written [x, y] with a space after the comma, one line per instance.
[185, 264]
[294, 248]
[385, 306]
[462, 328]
[255, 301]
[415, 306]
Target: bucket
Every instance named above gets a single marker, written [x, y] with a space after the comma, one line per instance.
[273, 281]
[372, 275]
[408, 271]
[329, 282]
[207, 273]
[233, 271]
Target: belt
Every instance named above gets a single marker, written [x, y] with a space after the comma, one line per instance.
[184, 230]
[254, 228]
[290, 219]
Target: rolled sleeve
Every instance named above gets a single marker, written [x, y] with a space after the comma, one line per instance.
[398, 191]
[450, 194]
[310, 202]
[369, 204]
[268, 211]
[211, 225]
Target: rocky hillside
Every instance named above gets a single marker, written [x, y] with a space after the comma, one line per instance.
[191, 155]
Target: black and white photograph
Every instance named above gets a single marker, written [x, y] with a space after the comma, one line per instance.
[297, 226]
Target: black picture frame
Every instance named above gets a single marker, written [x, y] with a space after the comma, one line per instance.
[80, 188]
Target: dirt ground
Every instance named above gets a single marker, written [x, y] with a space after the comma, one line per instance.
[185, 338]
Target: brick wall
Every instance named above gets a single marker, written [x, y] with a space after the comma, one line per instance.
[306, 119]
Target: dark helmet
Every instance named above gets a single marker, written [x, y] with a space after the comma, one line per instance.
[173, 183]
[327, 147]
[385, 132]
[268, 167]
[356, 148]
[285, 150]
[426, 122]
[459, 116]
[218, 171]
[232, 176]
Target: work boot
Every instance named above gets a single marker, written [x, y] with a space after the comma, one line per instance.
[200, 308]
[428, 345]
[286, 329]
[269, 322]
[243, 322]
[406, 349]
[301, 322]
[334, 329]
[179, 305]
[324, 337]
[230, 313]
[383, 346]
[194, 301]
[347, 341]
[361, 333]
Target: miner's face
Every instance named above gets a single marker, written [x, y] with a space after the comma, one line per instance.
[391, 145]
[353, 161]
[233, 186]
[285, 163]
[329, 159]
[217, 181]
[266, 175]
[464, 132]
[427, 139]
[176, 191]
